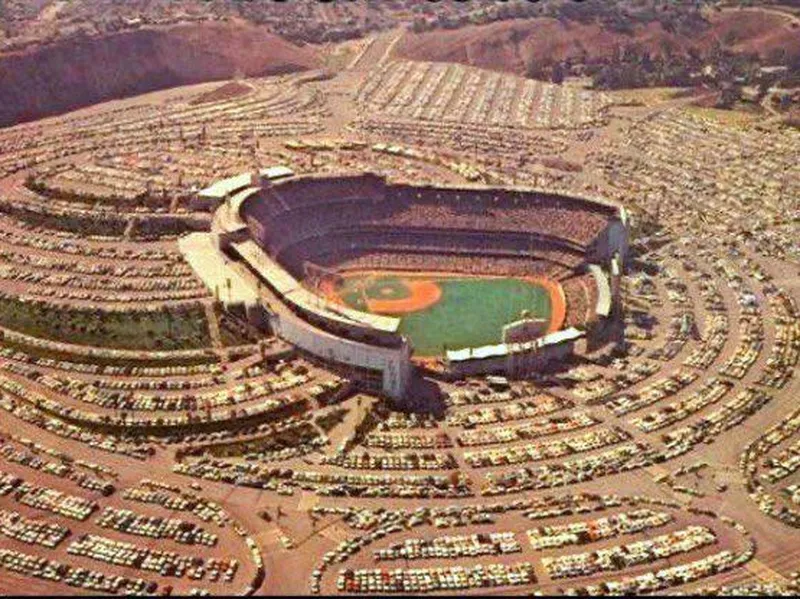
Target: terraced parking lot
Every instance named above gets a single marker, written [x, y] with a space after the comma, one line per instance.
[152, 442]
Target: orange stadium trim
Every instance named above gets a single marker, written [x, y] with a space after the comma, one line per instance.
[558, 303]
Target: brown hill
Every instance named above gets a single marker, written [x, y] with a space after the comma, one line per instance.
[514, 46]
[77, 72]
[759, 32]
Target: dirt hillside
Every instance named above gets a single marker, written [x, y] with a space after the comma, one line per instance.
[77, 72]
[513, 46]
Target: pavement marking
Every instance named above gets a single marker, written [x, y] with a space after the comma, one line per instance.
[269, 536]
[657, 471]
[307, 502]
[336, 533]
[764, 572]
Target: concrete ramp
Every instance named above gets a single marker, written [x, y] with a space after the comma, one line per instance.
[215, 270]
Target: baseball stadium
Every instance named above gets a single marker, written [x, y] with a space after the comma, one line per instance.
[384, 278]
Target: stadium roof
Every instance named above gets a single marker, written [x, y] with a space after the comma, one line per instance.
[219, 190]
[570, 334]
[276, 172]
[240, 197]
[477, 353]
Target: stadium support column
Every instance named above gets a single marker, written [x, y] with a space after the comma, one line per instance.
[625, 237]
[616, 282]
[617, 316]
[397, 373]
[612, 241]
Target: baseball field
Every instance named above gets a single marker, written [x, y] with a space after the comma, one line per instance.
[440, 312]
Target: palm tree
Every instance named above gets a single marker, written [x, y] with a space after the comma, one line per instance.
[169, 317]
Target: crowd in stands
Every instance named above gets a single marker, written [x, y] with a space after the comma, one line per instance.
[580, 294]
[289, 215]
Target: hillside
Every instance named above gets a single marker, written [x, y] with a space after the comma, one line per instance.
[66, 75]
[523, 46]
[759, 32]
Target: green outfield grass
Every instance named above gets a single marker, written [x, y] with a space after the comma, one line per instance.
[470, 313]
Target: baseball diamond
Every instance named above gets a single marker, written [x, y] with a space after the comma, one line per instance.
[443, 313]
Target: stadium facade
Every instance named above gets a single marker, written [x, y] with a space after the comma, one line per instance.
[276, 234]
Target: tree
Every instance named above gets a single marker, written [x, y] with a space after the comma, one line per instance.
[557, 75]
[729, 96]
[776, 56]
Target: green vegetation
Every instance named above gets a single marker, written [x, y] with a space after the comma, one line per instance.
[173, 329]
[274, 441]
[45, 189]
[157, 227]
[99, 225]
[146, 360]
[470, 313]
[234, 332]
